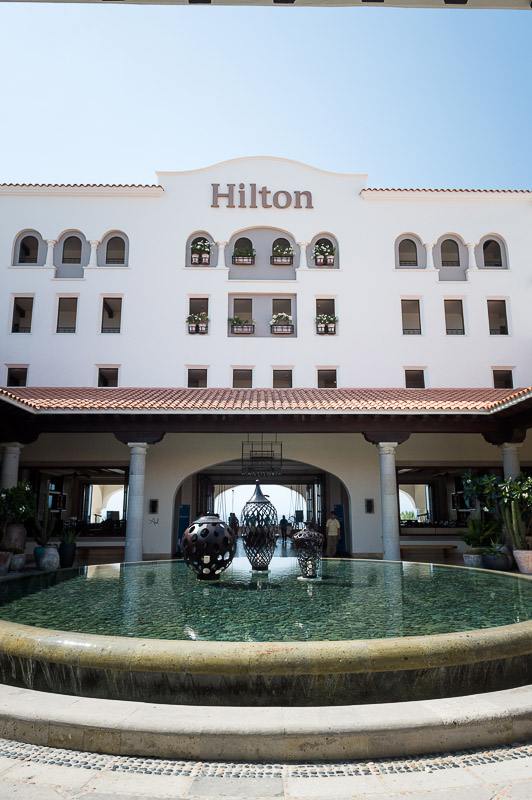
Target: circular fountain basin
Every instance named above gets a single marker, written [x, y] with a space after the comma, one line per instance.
[368, 632]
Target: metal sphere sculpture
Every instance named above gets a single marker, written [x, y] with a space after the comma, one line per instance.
[309, 547]
[208, 547]
[258, 525]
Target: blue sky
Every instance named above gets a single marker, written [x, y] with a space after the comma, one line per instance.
[110, 93]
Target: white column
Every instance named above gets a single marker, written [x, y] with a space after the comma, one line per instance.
[221, 254]
[430, 255]
[510, 460]
[135, 500]
[50, 252]
[303, 264]
[93, 260]
[472, 261]
[10, 459]
[389, 501]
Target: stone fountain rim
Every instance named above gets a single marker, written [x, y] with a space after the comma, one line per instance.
[122, 653]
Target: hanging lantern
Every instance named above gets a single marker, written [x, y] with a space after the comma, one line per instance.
[258, 525]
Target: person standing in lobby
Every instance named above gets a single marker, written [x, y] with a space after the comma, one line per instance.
[333, 532]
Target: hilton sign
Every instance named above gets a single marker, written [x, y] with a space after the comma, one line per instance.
[247, 197]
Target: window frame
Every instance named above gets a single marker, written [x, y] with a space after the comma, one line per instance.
[100, 367]
[10, 367]
[16, 297]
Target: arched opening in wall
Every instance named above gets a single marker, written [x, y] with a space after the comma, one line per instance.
[408, 253]
[301, 491]
[72, 250]
[115, 252]
[324, 252]
[492, 253]
[450, 253]
[282, 252]
[28, 250]
[243, 252]
[200, 251]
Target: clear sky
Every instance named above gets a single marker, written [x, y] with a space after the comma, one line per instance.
[110, 93]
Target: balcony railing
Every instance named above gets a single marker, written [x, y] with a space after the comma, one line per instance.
[502, 330]
[21, 329]
[240, 330]
[277, 328]
[455, 331]
[412, 331]
[72, 260]
[66, 329]
[281, 261]
[110, 330]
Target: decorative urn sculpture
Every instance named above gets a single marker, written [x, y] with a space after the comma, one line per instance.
[258, 525]
[309, 548]
[208, 547]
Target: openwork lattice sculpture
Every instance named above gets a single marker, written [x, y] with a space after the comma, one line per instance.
[258, 524]
[309, 546]
[208, 547]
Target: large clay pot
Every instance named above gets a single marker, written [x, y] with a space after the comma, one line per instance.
[499, 561]
[37, 553]
[473, 560]
[17, 562]
[14, 536]
[50, 558]
[208, 547]
[523, 559]
[67, 554]
[5, 560]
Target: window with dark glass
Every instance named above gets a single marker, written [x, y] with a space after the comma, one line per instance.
[72, 250]
[282, 306]
[197, 378]
[115, 252]
[111, 314]
[454, 318]
[411, 317]
[492, 253]
[414, 378]
[325, 307]
[198, 305]
[503, 379]
[17, 376]
[282, 379]
[450, 253]
[407, 253]
[66, 314]
[497, 317]
[108, 376]
[243, 308]
[28, 250]
[242, 378]
[326, 379]
[22, 314]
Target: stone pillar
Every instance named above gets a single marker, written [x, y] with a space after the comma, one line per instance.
[10, 460]
[430, 255]
[303, 264]
[472, 261]
[221, 254]
[135, 500]
[50, 252]
[510, 460]
[93, 260]
[389, 501]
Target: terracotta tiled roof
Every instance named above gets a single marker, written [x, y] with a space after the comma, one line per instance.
[479, 191]
[80, 186]
[50, 399]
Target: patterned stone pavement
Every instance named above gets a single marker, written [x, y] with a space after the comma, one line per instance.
[29, 772]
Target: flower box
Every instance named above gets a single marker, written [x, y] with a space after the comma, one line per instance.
[331, 328]
[203, 327]
[244, 260]
[205, 258]
[195, 259]
[277, 328]
[192, 327]
[321, 328]
[319, 261]
[282, 261]
[243, 329]
[329, 260]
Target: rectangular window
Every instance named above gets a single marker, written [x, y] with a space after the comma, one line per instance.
[242, 378]
[326, 379]
[197, 305]
[415, 378]
[22, 314]
[17, 376]
[325, 307]
[503, 379]
[454, 318]
[411, 317]
[243, 308]
[282, 379]
[197, 378]
[111, 314]
[66, 314]
[108, 376]
[497, 317]
[282, 306]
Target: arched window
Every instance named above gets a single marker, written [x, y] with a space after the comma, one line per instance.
[407, 253]
[243, 252]
[116, 251]
[450, 254]
[282, 252]
[200, 251]
[492, 253]
[28, 250]
[324, 252]
[72, 250]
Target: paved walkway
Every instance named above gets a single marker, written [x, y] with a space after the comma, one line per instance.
[28, 772]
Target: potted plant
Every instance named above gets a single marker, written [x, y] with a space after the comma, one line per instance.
[46, 555]
[201, 250]
[18, 558]
[281, 323]
[494, 557]
[323, 254]
[17, 504]
[478, 536]
[321, 324]
[203, 322]
[240, 326]
[282, 255]
[318, 256]
[192, 322]
[516, 512]
[244, 255]
[331, 324]
[67, 537]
